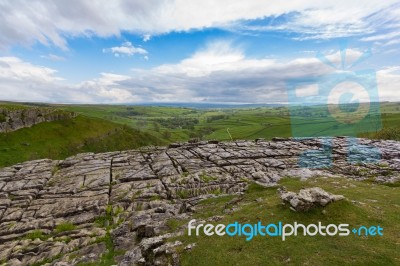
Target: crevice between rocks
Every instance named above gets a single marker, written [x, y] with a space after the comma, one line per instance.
[178, 167]
[111, 182]
[198, 155]
[150, 161]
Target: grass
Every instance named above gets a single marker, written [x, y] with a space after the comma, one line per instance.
[64, 227]
[242, 123]
[108, 257]
[207, 178]
[60, 139]
[13, 106]
[395, 184]
[36, 234]
[183, 194]
[222, 123]
[388, 133]
[106, 219]
[367, 204]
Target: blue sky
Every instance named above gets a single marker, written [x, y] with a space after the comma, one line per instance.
[188, 51]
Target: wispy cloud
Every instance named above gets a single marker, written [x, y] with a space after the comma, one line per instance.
[53, 57]
[332, 20]
[126, 49]
[53, 24]
[380, 37]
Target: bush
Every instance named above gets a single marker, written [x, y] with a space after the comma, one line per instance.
[388, 133]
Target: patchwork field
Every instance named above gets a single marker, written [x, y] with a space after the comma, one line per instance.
[183, 123]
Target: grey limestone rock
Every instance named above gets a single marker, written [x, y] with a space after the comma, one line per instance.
[308, 198]
[59, 211]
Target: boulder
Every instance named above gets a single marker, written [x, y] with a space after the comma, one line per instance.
[307, 198]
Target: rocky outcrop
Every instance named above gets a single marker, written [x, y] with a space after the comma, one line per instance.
[308, 198]
[84, 207]
[11, 120]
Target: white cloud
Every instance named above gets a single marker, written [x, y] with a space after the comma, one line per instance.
[106, 89]
[125, 49]
[22, 81]
[146, 37]
[388, 83]
[51, 22]
[13, 68]
[220, 72]
[53, 57]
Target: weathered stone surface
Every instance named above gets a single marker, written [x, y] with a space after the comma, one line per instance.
[308, 198]
[20, 118]
[59, 210]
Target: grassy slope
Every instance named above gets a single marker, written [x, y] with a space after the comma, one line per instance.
[366, 204]
[60, 139]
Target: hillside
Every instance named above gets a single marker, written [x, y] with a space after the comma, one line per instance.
[62, 138]
[183, 123]
[133, 207]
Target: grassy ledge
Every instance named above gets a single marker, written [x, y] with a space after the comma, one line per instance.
[366, 204]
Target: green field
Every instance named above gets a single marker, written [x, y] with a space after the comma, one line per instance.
[101, 128]
[181, 124]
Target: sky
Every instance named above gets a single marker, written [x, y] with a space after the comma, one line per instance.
[194, 51]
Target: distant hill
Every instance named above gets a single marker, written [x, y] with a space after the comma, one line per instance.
[62, 138]
[206, 105]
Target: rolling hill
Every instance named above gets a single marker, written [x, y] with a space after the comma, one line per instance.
[62, 138]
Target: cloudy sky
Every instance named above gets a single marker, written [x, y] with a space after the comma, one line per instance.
[190, 51]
